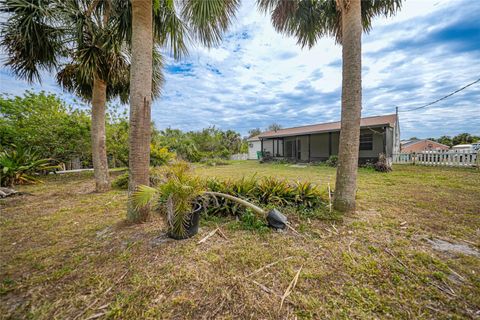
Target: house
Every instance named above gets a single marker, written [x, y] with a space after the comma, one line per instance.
[317, 142]
[474, 147]
[420, 145]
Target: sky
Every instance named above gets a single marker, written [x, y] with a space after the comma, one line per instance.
[257, 76]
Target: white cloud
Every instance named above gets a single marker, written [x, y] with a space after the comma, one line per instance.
[257, 76]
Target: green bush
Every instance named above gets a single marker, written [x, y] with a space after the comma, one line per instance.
[21, 165]
[160, 156]
[332, 161]
[215, 162]
[121, 182]
[275, 191]
[368, 165]
[250, 221]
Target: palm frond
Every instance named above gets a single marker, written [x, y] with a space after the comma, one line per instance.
[157, 76]
[208, 20]
[309, 20]
[170, 31]
[30, 38]
[144, 196]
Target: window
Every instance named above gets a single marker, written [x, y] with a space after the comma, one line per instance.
[366, 141]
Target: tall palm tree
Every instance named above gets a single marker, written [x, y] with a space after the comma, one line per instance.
[308, 21]
[140, 103]
[195, 20]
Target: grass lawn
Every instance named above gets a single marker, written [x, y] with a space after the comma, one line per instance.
[66, 252]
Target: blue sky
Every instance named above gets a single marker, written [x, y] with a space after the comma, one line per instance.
[257, 76]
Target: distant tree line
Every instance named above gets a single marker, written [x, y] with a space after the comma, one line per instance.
[256, 131]
[207, 143]
[462, 138]
[49, 126]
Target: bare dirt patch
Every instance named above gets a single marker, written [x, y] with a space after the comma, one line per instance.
[450, 247]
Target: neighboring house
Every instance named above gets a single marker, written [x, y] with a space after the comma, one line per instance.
[466, 147]
[379, 134]
[476, 147]
[422, 145]
[254, 146]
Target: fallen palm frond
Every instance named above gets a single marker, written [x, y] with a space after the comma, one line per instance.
[268, 266]
[211, 233]
[290, 287]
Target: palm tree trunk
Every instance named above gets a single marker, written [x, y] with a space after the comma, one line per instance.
[99, 149]
[346, 180]
[140, 103]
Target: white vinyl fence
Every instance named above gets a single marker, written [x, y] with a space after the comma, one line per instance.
[449, 158]
[239, 156]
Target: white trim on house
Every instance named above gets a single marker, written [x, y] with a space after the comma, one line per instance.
[254, 145]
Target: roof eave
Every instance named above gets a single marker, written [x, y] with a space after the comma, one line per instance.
[321, 131]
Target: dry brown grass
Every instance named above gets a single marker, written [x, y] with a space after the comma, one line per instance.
[66, 252]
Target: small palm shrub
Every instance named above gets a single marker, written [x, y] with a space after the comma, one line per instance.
[275, 191]
[177, 198]
[332, 161]
[224, 207]
[22, 165]
[307, 194]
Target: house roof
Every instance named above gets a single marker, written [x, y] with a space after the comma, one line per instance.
[389, 120]
[412, 142]
[462, 146]
[254, 138]
[408, 142]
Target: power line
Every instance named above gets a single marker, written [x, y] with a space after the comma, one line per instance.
[417, 108]
[444, 97]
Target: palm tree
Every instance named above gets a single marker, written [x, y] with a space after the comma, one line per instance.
[43, 34]
[202, 21]
[308, 21]
[140, 103]
[83, 40]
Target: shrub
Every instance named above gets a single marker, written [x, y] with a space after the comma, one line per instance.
[224, 154]
[160, 156]
[221, 206]
[176, 197]
[265, 191]
[307, 194]
[332, 161]
[250, 221]
[382, 164]
[282, 161]
[121, 182]
[275, 191]
[215, 162]
[19, 166]
[368, 165]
